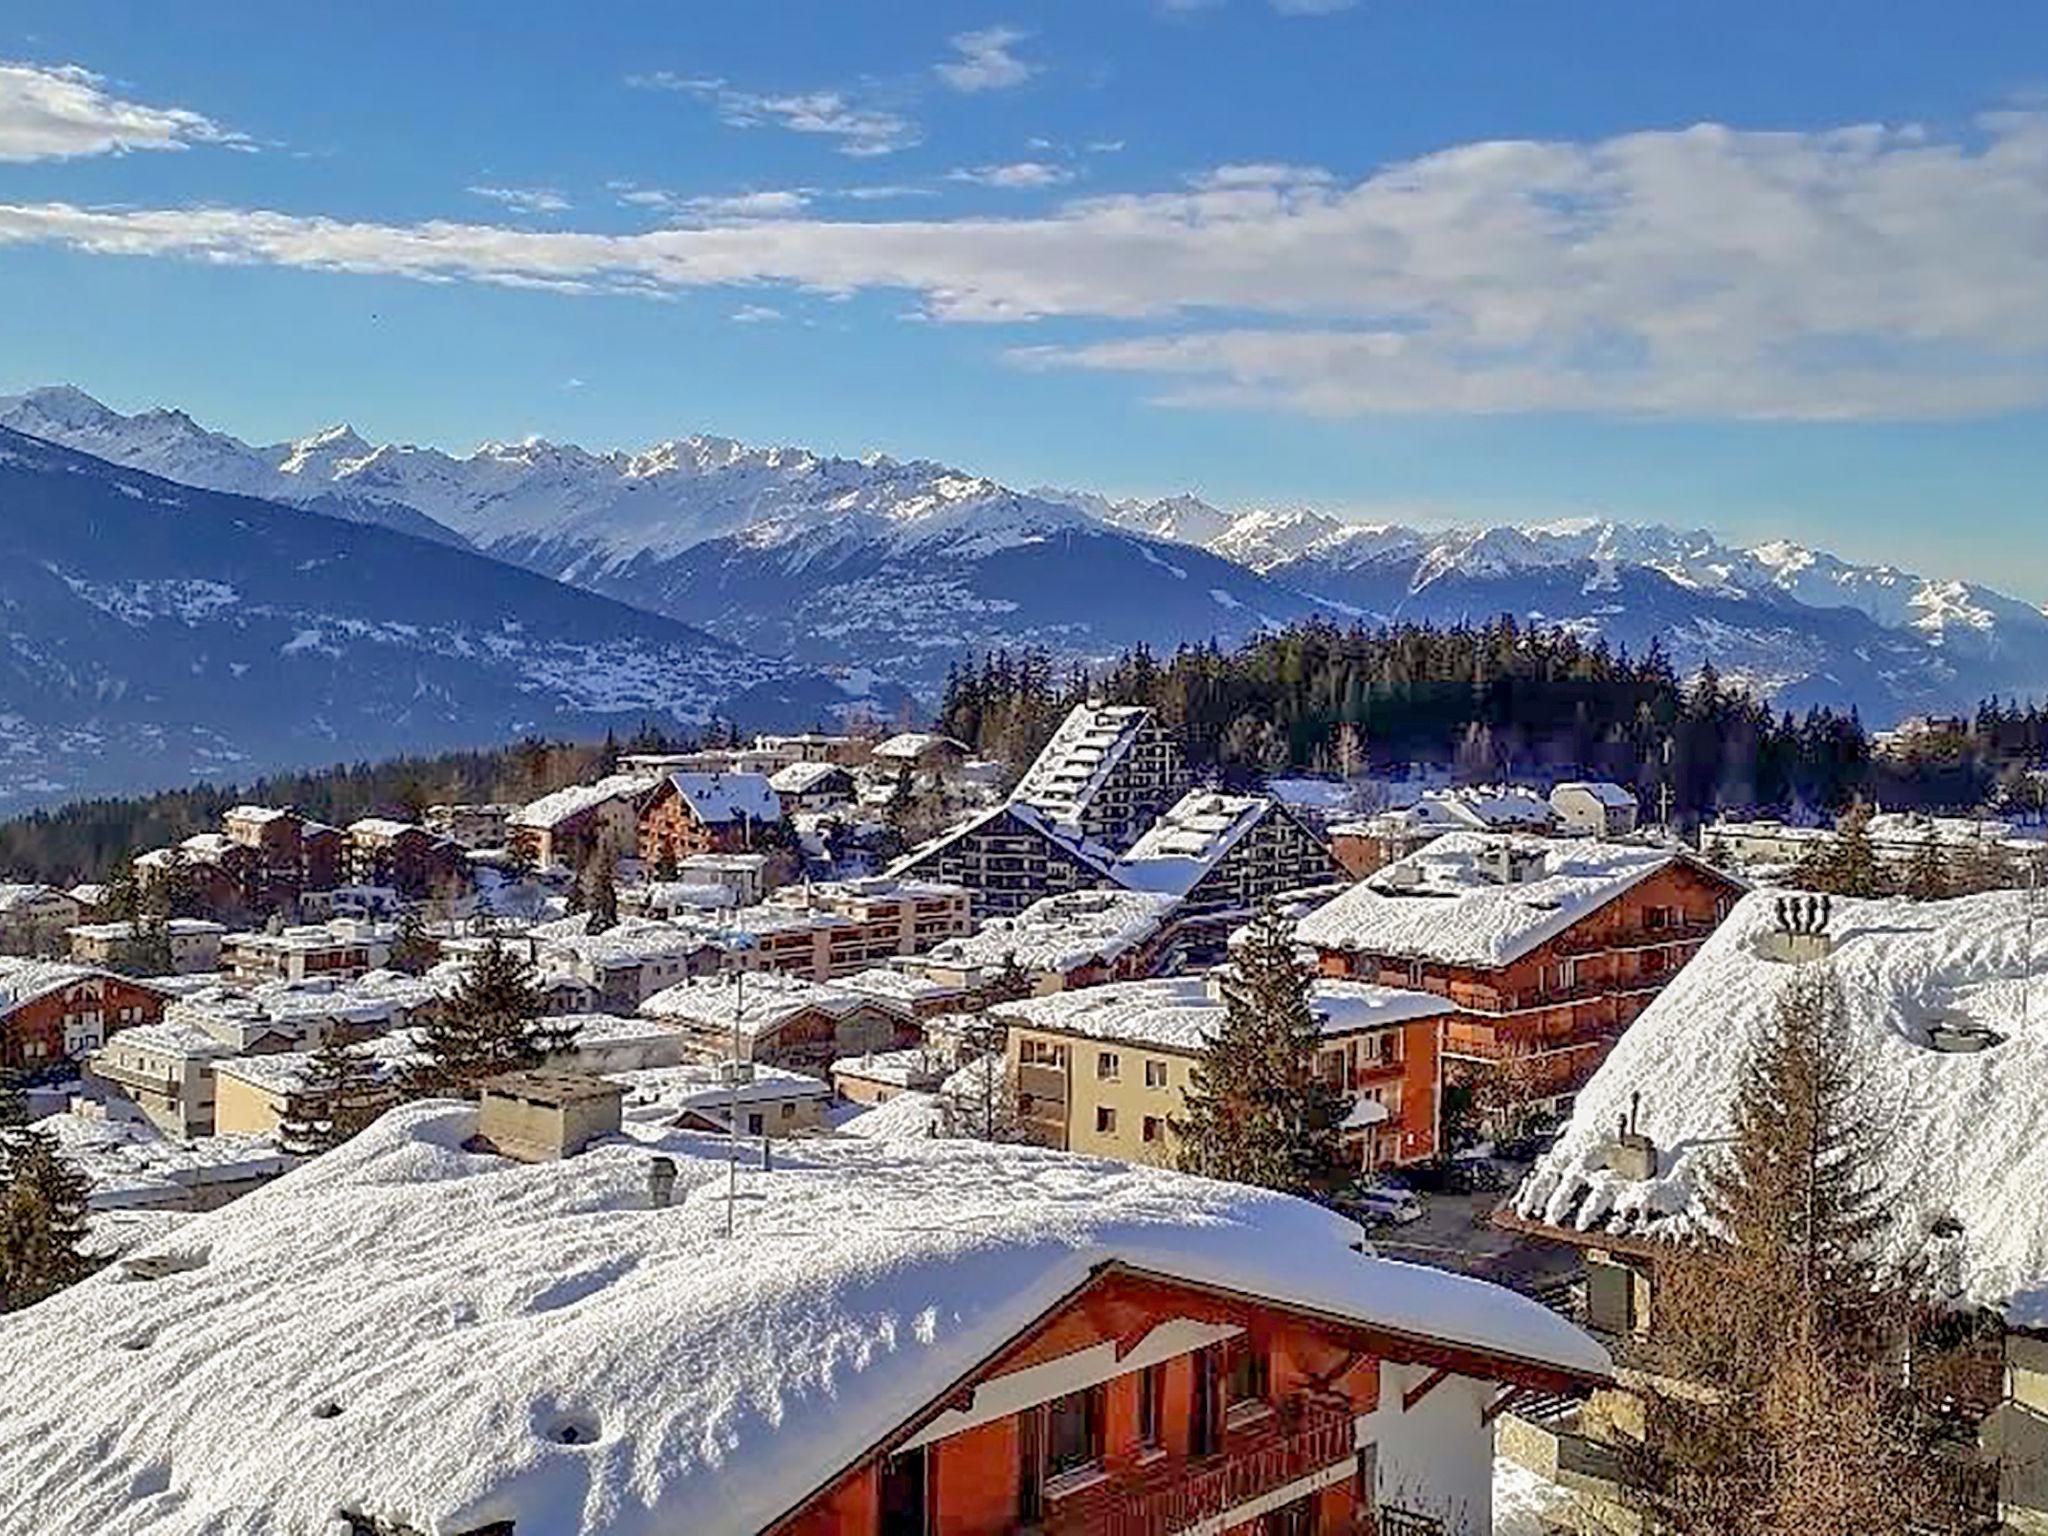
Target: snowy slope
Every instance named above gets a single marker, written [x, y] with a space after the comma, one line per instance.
[898, 567]
[156, 633]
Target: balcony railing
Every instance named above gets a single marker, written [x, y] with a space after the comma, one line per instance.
[1170, 1497]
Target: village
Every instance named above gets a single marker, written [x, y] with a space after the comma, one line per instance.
[914, 1057]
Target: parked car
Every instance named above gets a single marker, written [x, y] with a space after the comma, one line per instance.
[1383, 1203]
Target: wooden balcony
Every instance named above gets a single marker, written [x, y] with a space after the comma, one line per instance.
[1172, 1494]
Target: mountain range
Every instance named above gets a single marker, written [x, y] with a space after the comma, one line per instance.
[158, 633]
[884, 571]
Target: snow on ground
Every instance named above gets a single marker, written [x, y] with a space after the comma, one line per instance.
[1964, 1134]
[1525, 1504]
[409, 1330]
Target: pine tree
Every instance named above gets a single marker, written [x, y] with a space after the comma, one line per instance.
[600, 893]
[413, 949]
[1926, 877]
[1852, 865]
[42, 1221]
[1783, 1313]
[148, 950]
[493, 1023]
[342, 1092]
[1257, 1110]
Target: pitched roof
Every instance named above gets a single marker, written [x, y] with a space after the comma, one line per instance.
[1446, 902]
[766, 1002]
[718, 798]
[1189, 839]
[540, 1347]
[1062, 933]
[1029, 817]
[802, 778]
[1963, 1158]
[550, 811]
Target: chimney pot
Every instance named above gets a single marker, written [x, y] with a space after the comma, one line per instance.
[661, 1183]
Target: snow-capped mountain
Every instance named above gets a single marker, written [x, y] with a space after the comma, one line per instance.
[900, 567]
[158, 633]
[895, 567]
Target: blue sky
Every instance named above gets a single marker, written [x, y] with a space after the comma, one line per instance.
[1775, 269]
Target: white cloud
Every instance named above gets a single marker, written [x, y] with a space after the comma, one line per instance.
[1019, 175]
[986, 62]
[756, 314]
[1863, 272]
[1310, 7]
[58, 112]
[524, 199]
[1104, 146]
[862, 131]
[778, 203]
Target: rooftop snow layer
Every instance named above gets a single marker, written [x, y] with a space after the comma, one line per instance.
[429, 1336]
[1189, 840]
[1062, 933]
[1965, 1134]
[717, 798]
[1088, 744]
[1182, 1013]
[1444, 902]
[552, 810]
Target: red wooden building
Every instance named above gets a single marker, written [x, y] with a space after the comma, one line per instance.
[1549, 947]
[52, 1012]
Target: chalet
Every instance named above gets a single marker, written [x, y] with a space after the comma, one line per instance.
[691, 813]
[273, 862]
[1107, 772]
[875, 1077]
[572, 826]
[811, 786]
[1594, 809]
[628, 962]
[33, 918]
[409, 858]
[53, 1012]
[1062, 1346]
[325, 851]
[1226, 852]
[1548, 947]
[193, 943]
[1945, 1049]
[780, 1020]
[1105, 1070]
[1078, 939]
[480, 825]
[1008, 857]
[921, 751]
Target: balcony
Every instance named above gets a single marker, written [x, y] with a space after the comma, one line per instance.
[1173, 1494]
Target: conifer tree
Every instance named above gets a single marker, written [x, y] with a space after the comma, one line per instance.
[413, 949]
[342, 1092]
[1257, 1110]
[1852, 867]
[600, 892]
[1784, 1312]
[42, 1220]
[493, 1023]
[1926, 876]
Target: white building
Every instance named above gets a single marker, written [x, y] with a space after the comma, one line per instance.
[1591, 808]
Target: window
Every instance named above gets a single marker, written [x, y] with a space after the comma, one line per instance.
[1155, 1073]
[1330, 1067]
[1154, 1128]
[754, 1125]
[1073, 1431]
[1151, 1405]
[1105, 1120]
[1245, 1374]
[1415, 973]
[1041, 1053]
[1107, 1066]
[789, 1111]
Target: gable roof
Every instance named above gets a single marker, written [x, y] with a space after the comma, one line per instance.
[550, 811]
[1443, 903]
[520, 1311]
[1028, 817]
[1965, 1135]
[1183, 1013]
[1063, 932]
[718, 798]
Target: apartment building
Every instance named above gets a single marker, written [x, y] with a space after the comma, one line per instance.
[53, 1012]
[1107, 773]
[568, 828]
[341, 948]
[1106, 1070]
[691, 812]
[1227, 852]
[1007, 857]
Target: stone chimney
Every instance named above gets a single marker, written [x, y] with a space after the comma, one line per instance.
[1631, 1154]
[542, 1115]
[1802, 931]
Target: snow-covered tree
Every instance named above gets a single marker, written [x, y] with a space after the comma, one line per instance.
[42, 1220]
[1256, 1109]
[413, 950]
[341, 1094]
[493, 1023]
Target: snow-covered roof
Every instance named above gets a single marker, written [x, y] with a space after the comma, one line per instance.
[1063, 932]
[1324, 796]
[1181, 1013]
[171, 1037]
[898, 986]
[1449, 902]
[1964, 1135]
[385, 827]
[207, 847]
[801, 778]
[256, 814]
[659, 1094]
[1031, 817]
[16, 894]
[908, 746]
[1189, 839]
[550, 811]
[23, 981]
[718, 798]
[770, 998]
[441, 1338]
[285, 1072]
[915, 1066]
[630, 941]
[176, 927]
[670, 895]
[1083, 751]
[335, 933]
[1608, 794]
[132, 1163]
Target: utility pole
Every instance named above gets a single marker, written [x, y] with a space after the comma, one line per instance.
[738, 1070]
